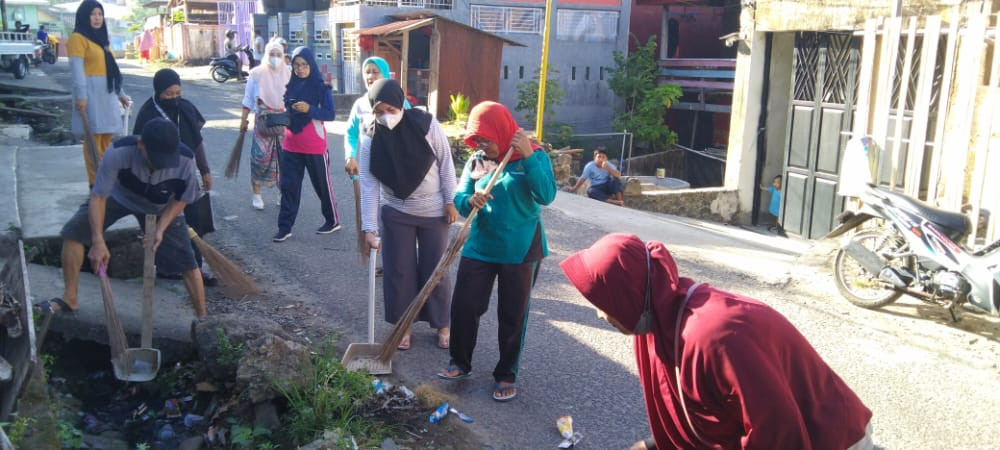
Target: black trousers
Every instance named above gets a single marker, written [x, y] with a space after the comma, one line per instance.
[472, 299]
[293, 169]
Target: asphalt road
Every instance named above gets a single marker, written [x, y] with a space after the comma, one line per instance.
[930, 383]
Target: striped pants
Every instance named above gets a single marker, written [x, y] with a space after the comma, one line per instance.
[294, 166]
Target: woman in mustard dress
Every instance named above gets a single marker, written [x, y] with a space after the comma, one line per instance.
[97, 82]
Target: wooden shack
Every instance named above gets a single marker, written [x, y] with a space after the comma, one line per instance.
[434, 58]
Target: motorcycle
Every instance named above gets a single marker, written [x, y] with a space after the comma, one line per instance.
[43, 53]
[916, 249]
[223, 68]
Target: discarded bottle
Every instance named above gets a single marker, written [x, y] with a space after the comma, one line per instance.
[191, 420]
[439, 413]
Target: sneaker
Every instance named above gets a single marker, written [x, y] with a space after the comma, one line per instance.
[282, 236]
[328, 228]
[258, 202]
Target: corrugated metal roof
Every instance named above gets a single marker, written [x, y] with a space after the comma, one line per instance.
[412, 24]
[392, 27]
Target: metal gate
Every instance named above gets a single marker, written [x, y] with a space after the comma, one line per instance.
[824, 87]
[236, 16]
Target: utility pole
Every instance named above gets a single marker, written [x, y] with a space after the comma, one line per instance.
[543, 71]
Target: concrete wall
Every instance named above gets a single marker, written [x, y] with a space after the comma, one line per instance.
[824, 15]
[715, 204]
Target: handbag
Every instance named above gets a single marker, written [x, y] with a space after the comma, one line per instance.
[272, 124]
[199, 216]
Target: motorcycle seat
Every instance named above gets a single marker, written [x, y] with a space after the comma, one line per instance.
[955, 224]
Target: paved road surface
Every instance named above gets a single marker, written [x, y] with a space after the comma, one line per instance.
[930, 384]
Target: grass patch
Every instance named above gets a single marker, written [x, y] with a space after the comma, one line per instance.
[331, 402]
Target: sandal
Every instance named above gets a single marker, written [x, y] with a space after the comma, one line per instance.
[504, 393]
[444, 340]
[46, 307]
[458, 373]
[404, 344]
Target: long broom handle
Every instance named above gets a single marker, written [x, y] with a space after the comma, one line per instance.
[371, 295]
[147, 282]
[389, 347]
[88, 135]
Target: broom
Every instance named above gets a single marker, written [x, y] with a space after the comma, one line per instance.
[454, 248]
[233, 165]
[233, 280]
[88, 136]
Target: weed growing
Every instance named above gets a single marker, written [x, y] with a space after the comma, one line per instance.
[331, 402]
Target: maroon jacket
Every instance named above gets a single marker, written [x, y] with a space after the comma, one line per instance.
[749, 378]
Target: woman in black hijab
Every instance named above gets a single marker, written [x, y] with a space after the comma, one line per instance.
[167, 103]
[407, 179]
[97, 82]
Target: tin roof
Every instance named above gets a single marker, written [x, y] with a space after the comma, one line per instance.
[412, 24]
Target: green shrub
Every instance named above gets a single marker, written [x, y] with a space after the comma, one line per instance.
[458, 110]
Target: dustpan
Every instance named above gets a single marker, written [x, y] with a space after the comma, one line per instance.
[364, 356]
[137, 364]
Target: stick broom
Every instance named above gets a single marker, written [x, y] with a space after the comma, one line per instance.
[454, 248]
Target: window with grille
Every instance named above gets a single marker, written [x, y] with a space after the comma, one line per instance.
[500, 19]
[586, 26]
[349, 44]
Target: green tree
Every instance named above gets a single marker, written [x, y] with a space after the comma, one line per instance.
[634, 80]
[527, 104]
[138, 18]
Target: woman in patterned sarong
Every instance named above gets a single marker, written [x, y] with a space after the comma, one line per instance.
[265, 91]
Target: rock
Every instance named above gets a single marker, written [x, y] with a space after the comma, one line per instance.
[271, 361]
[238, 329]
[633, 186]
[330, 440]
[265, 415]
[192, 443]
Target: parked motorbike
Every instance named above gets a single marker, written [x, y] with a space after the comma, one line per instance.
[223, 68]
[915, 249]
[43, 53]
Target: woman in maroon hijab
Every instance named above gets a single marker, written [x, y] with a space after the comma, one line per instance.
[748, 378]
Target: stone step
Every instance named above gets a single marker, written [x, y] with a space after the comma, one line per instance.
[172, 310]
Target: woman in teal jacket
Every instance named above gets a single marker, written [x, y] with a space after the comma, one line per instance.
[506, 241]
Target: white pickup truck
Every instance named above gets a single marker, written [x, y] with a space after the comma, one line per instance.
[16, 50]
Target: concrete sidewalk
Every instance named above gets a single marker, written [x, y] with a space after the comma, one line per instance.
[766, 257]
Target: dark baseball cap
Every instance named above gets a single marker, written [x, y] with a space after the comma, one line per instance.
[160, 138]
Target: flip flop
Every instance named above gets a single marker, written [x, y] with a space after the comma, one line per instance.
[45, 307]
[498, 392]
[461, 374]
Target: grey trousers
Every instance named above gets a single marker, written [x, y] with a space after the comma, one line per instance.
[411, 249]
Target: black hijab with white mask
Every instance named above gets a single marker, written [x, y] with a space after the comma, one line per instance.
[400, 153]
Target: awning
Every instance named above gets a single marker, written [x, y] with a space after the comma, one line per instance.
[413, 24]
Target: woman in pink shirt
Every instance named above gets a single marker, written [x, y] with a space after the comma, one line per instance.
[309, 102]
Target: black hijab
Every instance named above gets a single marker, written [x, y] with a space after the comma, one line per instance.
[400, 157]
[181, 112]
[100, 37]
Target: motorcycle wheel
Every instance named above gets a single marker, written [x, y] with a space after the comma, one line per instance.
[19, 67]
[49, 57]
[859, 286]
[218, 75]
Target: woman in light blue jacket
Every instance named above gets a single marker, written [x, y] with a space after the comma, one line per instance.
[373, 69]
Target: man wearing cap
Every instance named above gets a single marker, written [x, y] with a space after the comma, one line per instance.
[148, 174]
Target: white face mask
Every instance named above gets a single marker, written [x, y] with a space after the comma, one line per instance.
[275, 61]
[390, 120]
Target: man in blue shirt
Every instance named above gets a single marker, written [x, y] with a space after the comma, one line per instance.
[605, 185]
[42, 35]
